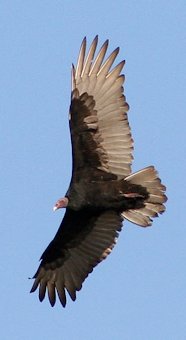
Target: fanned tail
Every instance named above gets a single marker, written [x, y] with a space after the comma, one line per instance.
[148, 178]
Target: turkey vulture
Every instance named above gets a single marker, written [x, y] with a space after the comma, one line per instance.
[102, 191]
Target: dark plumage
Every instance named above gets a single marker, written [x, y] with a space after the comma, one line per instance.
[102, 191]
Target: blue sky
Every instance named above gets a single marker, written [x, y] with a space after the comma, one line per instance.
[139, 291]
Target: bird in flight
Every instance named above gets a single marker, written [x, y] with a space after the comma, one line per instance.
[103, 191]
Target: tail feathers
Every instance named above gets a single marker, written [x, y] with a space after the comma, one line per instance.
[148, 178]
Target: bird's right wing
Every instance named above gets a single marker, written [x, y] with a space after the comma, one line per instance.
[82, 241]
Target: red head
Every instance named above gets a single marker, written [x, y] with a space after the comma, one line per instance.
[61, 203]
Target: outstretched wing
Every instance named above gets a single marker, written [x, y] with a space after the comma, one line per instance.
[100, 132]
[82, 241]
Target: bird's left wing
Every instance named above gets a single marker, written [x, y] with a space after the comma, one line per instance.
[100, 132]
[82, 241]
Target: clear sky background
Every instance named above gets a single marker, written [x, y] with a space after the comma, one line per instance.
[139, 292]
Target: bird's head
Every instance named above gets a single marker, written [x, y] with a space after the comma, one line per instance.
[61, 203]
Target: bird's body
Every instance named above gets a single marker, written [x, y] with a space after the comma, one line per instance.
[102, 191]
[101, 195]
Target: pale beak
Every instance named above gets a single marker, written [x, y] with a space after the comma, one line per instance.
[61, 203]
